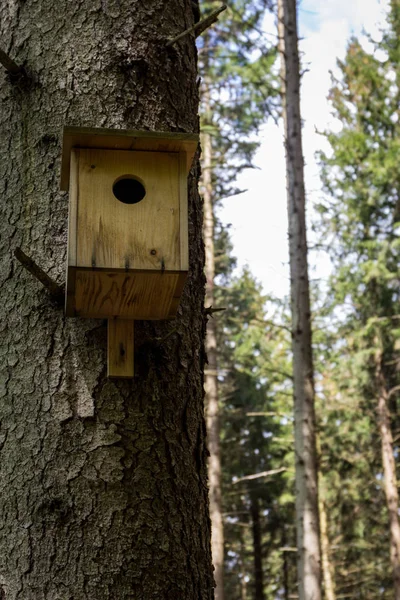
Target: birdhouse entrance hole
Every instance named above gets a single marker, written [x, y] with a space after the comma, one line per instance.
[128, 189]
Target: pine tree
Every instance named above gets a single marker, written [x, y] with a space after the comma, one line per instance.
[233, 103]
[361, 216]
[257, 440]
[307, 516]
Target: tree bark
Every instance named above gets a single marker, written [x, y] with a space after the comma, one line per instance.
[329, 584]
[389, 473]
[308, 540]
[103, 485]
[211, 371]
[257, 548]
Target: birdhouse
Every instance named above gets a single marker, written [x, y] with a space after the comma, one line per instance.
[128, 229]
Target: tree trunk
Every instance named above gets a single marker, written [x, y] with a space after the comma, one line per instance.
[329, 585]
[243, 580]
[308, 543]
[285, 566]
[389, 472]
[103, 487]
[211, 372]
[257, 547]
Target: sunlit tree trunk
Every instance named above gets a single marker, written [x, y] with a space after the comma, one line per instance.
[103, 483]
[389, 472]
[307, 517]
[211, 371]
[329, 584]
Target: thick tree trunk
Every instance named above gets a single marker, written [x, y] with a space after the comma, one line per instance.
[211, 375]
[308, 542]
[257, 548]
[389, 472]
[103, 489]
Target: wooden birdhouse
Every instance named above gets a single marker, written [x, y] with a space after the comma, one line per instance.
[128, 229]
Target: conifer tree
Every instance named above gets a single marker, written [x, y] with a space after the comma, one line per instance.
[233, 105]
[361, 215]
[307, 515]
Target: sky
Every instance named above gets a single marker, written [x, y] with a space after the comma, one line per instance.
[258, 217]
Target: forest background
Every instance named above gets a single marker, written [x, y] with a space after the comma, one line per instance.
[350, 147]
[326, 26]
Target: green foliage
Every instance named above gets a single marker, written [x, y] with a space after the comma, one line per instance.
[239, 89]
[359, 223]
[257, 432]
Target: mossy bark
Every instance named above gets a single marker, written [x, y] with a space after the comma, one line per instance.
[103, 490]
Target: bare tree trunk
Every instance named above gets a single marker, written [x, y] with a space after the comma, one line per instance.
[329, 585]
[308, 541]
[211, 374]
[389, 472]
[257, 548]
[103, 485]
[285, 566]
[243, 581]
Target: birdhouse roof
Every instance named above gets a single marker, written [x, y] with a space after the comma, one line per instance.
[120, 139]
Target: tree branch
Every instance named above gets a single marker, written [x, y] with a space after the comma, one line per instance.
[55, 290]
[199, 27]
[393, 390]
[9, 65]
[209, 311]
[257, 475]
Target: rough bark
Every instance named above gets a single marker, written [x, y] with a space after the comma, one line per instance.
[257, 548]
[307, 518]
[211, 372]
[103, 490]
[389, 473]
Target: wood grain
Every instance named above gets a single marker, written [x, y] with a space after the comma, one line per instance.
[117, 139]
[120, 348]
[73, 210]
[144, 295]
[114, 235]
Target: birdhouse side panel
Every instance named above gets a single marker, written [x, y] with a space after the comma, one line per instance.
[114, 234]
[73, 211]
[183, 212]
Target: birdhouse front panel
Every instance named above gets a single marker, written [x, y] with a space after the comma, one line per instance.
[128, 240]
[128, 210]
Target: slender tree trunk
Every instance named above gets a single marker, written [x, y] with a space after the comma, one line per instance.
[389, 472]
[257, 548]
[307, 518]
[329, 585]
[285, 566]
[103, 486]
[243, 581]
[211, 372]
